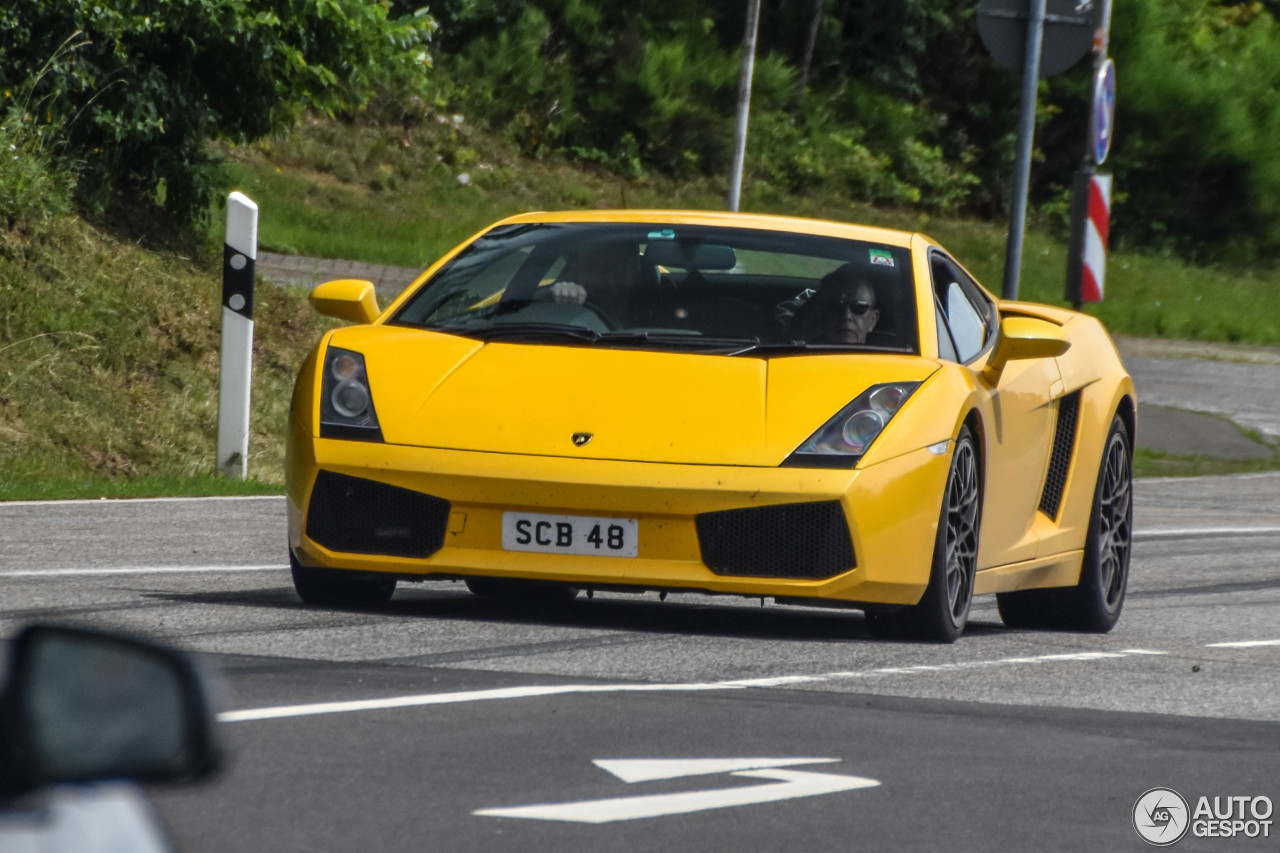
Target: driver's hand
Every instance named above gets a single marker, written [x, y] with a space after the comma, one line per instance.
[568, 291]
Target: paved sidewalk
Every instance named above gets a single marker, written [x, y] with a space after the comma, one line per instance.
[298, 270]
[1195, 397]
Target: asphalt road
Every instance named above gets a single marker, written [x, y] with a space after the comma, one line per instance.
[461, 713]
[1242, 391]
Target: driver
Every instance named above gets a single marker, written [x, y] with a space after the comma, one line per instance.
[841, 311]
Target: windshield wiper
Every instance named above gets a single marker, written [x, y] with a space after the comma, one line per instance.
[531, 331]
[678, 340]
[775, 348]
[786, 347]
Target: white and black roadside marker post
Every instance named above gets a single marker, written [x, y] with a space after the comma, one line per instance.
[236, 365]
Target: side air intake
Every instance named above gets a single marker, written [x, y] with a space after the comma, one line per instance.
[1064, 442]
[806, 540]
[361, 516]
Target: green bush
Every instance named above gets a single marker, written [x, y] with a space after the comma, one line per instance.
[155, 81]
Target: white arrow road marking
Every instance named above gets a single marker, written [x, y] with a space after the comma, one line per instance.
[790, 784]
[648, 769]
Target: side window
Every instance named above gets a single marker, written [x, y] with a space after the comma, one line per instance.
[968, 315]
[946, 348]
[967, 328]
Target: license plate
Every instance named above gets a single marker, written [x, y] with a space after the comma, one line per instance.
[570, 534]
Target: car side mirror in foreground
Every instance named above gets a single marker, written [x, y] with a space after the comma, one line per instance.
[1025, 337]
[348, 299]
[83, 706]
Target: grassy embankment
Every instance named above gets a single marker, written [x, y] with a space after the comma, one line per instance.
[108, 352]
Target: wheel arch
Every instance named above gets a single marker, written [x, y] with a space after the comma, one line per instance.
[1127, 410]
[973, 420]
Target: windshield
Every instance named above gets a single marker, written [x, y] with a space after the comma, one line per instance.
[731, 290]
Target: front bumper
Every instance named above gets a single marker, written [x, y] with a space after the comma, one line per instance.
[891, 511]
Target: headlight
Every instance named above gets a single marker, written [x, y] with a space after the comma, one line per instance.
[843, 439]
[346, 405]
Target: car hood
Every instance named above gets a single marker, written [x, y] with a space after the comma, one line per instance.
[445, 391]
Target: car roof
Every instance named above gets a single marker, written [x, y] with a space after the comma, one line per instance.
[759, 221]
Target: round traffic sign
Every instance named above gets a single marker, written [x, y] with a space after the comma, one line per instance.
[1102, 118]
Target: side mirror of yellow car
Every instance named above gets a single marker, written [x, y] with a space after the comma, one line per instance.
[1025, 337]
[347, 299]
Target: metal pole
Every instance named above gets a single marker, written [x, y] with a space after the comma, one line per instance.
[1026, 142]
[235, 367]
[744, 102]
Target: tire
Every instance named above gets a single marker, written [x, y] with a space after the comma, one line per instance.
[338, 588]
[506, 589]
[1094, 604]
[943, 610]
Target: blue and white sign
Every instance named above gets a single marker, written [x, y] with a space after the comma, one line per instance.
[1102, 119]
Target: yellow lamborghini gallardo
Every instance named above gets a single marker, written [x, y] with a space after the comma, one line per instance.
[719, 403]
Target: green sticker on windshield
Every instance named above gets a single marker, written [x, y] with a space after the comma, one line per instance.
[881, 258]
[664, 234]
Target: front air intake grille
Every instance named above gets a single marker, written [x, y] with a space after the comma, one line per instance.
[809, 541]
[1064, 439]
[367, 517]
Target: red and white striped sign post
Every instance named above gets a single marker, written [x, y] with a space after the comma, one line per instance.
[1097, 226]
[1090, 227]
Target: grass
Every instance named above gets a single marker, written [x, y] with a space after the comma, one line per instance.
[109, 364]
[1153, 463]
[94, 487]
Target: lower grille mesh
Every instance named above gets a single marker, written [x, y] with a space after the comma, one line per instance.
[367, 517]
[805, 541]
[1064, 439]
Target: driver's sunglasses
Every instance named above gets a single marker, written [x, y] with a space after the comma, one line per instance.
[856, 307]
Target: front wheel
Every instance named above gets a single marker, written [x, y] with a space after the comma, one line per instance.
[943, 611]
[335, 588]
[1095, 602]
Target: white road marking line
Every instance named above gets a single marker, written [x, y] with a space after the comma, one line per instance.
[1243, 644]
[107, 501]
[502, 693]
[1204, 532]
[1142, 652]
[136, 570]
[454, 698]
